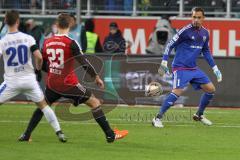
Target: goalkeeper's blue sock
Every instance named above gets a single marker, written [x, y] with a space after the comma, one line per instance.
[204, 101]
[169, 101]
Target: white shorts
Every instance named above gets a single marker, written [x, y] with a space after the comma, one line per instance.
[27, 86]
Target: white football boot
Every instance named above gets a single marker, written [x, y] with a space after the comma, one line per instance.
[156, 122]
[202, 119]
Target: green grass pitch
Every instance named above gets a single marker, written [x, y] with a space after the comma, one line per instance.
[181, 139]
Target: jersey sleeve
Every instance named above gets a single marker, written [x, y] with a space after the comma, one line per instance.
[77, 52]
[43, 51]
[76, 48]
[32, 44]
[45, 65]
[207, 54]
[177, 38]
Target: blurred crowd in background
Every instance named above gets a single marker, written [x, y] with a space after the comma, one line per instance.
[83, 33]
[114, 42]
[123, 5]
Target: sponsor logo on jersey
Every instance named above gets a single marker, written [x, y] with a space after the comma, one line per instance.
[198, 47]
[204, 38]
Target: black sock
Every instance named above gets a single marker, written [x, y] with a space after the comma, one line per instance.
[159, 116]
[102, 121]
[36, 118]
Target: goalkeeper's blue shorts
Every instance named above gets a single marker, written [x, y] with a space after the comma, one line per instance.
[196, 77]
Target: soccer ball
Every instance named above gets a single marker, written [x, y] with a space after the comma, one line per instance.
[154, 89]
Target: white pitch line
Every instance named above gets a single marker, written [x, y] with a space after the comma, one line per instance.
[189, 124]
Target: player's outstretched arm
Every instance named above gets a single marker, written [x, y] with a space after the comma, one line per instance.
[163, 68]
[90, 69]
[86, 64]
[209, 58]
[177, 38]
[99, 82]
[79, 56]
[38, 59]
[38, 63]
[216, 71]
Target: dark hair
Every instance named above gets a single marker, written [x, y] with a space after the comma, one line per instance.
[113, 24]
[11, 17]
[64, 20]
[198, 9]
[89, 25]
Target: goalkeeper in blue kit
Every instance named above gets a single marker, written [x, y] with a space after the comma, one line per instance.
[189, 42]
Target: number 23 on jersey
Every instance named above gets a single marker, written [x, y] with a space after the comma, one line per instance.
[56, 57]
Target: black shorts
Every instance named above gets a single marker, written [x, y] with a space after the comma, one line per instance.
[78, 94]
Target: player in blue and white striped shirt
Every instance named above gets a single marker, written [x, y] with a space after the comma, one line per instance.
[190, 42]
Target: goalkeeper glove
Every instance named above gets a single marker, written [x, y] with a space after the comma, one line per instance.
[163, 69]
[217, 73]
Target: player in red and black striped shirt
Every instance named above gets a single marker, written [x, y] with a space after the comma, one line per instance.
[60, 53]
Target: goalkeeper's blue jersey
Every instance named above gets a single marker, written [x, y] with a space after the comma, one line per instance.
[189, 44]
